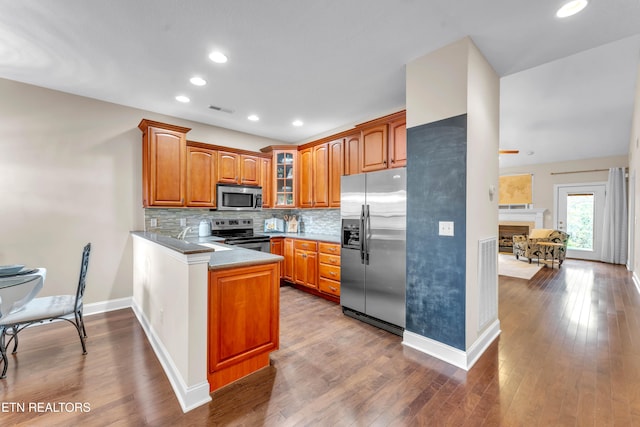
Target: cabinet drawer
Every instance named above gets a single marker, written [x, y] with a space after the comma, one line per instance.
[329, 286]
[329, 259]
[305, 245]
[329, 248]
[329, 271]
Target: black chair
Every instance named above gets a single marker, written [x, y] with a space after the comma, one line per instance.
[39, 310]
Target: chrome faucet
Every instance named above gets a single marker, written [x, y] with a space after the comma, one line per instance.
[183, 234]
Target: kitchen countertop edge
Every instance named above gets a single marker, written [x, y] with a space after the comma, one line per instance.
[235, 257]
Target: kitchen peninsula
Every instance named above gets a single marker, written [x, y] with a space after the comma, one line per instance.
[210, 311]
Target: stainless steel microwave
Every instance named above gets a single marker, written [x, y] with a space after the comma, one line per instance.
[239, 197]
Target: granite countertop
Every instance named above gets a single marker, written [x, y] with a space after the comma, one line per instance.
[330, 238]
[234, 257]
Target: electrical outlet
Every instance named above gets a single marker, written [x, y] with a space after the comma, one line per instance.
[445, 228]
[183, 222]
[153, 222]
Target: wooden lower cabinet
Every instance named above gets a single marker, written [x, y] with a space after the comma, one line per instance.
[277, 248]
[243, 321]
[305, 263]
[313, 266]
[288, 259]
[329, 268]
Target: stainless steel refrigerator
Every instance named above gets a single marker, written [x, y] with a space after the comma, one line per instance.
[373, 210]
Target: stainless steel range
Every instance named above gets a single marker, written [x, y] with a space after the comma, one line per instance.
[239, 232]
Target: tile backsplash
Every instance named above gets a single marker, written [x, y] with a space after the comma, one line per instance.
[167, 221]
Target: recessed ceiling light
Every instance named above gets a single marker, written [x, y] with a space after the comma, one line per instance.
[218, 57]
[571, 8]
[197, 81]
[297, 123]
[182, 98]
[253, 118]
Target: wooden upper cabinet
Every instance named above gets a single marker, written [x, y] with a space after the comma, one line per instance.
[201, 177]
[228, 167]
[352, 154]
[398, 143]
[336, 170]
[163, 164]
[266, 182]
[249, 170]
[305, 173]
[321, 176]
[373, 148]
[235, 168]
[285, 169]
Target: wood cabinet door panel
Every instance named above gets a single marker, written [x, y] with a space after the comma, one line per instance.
[228, 165]
[266, 182]
[329, 248]
[320, 186]
[329, 259]
[305, 172]
[289, 260]
[329, 271]
[398, 144]
[243, 314]
[249, 170]
[306, 245]
[167, 165]
[277, 248]
[329, 286]
[201, 177]
[352, 154]
[336, 170]
[373, 149]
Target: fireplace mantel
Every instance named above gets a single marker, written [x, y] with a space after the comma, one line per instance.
[535, 216]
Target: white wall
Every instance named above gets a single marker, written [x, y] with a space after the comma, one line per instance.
[446, 94]
[543, 181]
[483, 119]
[71, 173]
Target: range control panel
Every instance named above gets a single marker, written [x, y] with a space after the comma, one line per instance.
[231, 224]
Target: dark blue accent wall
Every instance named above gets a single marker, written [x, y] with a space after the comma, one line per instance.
[436, 191]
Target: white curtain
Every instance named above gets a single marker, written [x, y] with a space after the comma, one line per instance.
[614, 236]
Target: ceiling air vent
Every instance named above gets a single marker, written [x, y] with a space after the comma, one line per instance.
[224, 110]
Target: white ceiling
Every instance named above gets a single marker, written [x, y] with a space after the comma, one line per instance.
[567, 88]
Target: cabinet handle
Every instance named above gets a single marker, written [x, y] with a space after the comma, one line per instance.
[384, 162]
[333, 288]
[332, 260]
[393, 161]
[304, 255]
[333, 273]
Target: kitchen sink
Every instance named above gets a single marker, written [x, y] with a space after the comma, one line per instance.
[216, 247]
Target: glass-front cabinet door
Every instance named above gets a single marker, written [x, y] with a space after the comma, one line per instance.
[284, 166]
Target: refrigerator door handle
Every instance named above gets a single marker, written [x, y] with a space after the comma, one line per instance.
[367, 236]
[362, 242]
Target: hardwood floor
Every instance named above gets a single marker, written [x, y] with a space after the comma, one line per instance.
[569, 354]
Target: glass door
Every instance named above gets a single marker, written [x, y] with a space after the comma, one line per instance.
[580, 212]
[285, 178]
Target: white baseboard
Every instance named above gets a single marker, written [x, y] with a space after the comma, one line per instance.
[461, 359]
[636, 281]
[105, 306]
[188, 397]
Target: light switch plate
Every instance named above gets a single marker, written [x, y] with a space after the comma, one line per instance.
[153, 222]
[183, 222]
[445, 228]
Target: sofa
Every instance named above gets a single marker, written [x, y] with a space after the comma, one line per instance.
[527, 246]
